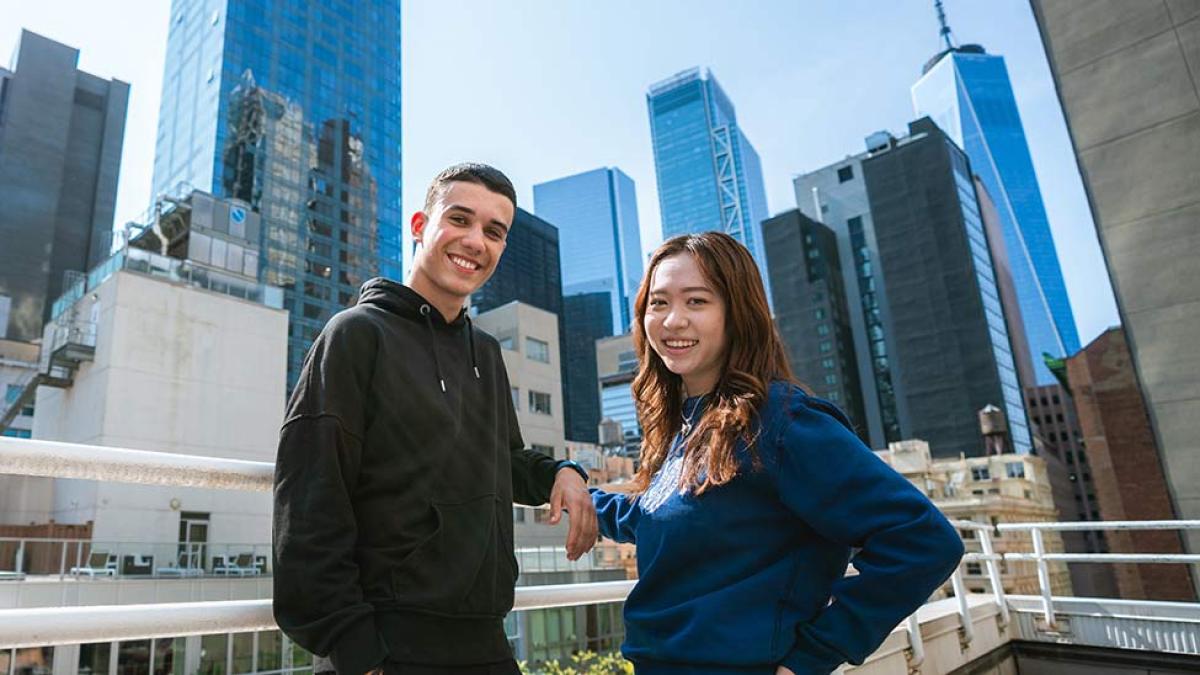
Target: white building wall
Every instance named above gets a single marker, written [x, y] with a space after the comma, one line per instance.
[177, 369]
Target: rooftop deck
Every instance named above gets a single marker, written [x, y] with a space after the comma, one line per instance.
[969, 632]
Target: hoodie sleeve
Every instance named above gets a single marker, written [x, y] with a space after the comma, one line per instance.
[532, 472]
[827, 477]
[317, 600]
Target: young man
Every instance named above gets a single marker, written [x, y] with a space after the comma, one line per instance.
[400, 458]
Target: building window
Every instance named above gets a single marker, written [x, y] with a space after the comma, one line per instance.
[507, 343]
[826, 345]
[974, 569]
[831, 379]
[980, 473]
[539, 402]
[827, 364]
[822, 329]
[819, 314]
[845, 173]
[516, 396]
[537, 350]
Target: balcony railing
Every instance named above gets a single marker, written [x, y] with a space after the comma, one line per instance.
[1163, 626]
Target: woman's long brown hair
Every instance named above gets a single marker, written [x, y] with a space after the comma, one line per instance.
[755, 356]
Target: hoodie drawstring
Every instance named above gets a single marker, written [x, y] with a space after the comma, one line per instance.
[471, 344]
[437, 364]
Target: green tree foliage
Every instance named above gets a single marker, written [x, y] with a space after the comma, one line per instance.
[582, 663]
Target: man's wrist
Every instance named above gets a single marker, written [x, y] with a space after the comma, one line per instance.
[574, 466]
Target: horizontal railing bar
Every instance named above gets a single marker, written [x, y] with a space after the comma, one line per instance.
[1105, 525]
[969, 525]
[1110, 557]
[52, 626]
[28, 457]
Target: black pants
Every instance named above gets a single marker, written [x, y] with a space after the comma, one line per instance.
[323, 666]
[508, 667]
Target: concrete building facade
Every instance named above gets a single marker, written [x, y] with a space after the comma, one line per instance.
[61, 131]
[1128, 76]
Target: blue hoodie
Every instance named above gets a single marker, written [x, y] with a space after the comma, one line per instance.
[750, 575]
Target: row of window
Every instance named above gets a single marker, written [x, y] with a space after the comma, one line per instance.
[539, 402]
[535, 349]
[1012, 469]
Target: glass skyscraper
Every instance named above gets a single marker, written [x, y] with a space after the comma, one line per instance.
[292, 106]
[968, 94]
[709, 176]
[599, 240]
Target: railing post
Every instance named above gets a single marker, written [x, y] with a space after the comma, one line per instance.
[964, 609]
[993, 568]
[20, 557]
[62, 560]
[916, 642]
[1043, 571]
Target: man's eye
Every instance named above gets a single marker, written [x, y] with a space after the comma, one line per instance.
[458, 220]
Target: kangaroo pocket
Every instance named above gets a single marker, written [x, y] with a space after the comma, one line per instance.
[462, 568]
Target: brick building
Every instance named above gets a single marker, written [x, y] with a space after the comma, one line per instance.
[1125, 466]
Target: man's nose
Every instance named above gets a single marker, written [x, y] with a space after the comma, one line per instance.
[473, 240]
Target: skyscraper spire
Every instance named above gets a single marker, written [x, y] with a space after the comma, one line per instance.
[945, 27]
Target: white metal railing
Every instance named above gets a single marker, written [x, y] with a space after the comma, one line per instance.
[92, 559]
[52, 626]
[69, 625]
[1041, 557]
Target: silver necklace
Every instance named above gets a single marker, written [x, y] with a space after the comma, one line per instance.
[688, 419]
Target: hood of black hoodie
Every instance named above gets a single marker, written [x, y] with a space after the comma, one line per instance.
[400, 299]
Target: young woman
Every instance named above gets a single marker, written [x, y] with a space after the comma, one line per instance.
[751, 494]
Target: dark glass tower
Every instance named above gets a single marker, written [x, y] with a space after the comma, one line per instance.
[60, 151]
[528, 271]
[587, 317]
[811, 310]
[948, 340]
[295, 108]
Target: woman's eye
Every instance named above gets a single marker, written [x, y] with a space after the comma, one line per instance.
[696, 301]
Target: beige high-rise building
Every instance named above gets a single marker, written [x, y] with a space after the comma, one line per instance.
[1005, 488]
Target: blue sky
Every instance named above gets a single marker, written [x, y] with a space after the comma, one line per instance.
[547, 88]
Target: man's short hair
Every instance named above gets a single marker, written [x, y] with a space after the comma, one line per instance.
[470, 172]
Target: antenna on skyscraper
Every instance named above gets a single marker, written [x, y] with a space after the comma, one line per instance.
[945, 30]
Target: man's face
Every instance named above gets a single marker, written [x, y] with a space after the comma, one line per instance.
[460, 242]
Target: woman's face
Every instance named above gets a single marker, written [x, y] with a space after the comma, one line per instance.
[685, 323]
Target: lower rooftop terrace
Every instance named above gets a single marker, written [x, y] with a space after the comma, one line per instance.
[185, 609]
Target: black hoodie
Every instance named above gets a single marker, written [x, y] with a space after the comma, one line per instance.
[398, 463]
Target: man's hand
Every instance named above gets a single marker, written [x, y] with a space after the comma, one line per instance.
[570, 494]
[783, 670]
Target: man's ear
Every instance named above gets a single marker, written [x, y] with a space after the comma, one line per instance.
[417, 225]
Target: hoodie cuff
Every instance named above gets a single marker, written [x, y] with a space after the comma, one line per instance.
[359, 649]
[809, 657]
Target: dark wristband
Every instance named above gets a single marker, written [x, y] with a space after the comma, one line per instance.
[568, 464]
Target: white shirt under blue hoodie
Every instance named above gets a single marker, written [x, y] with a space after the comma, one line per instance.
[750, 575]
